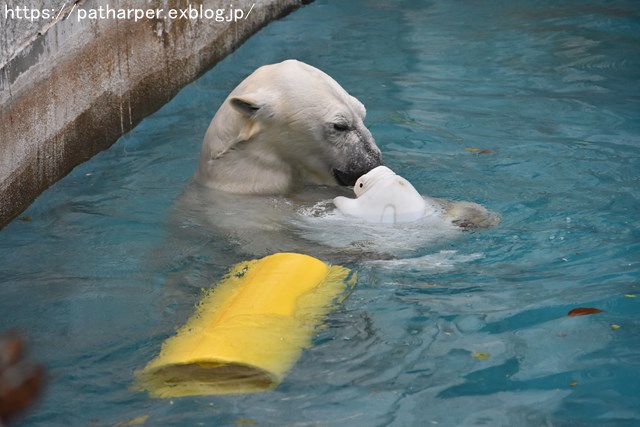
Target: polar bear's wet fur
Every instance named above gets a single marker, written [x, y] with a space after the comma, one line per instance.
[285, 126]
[290, 125]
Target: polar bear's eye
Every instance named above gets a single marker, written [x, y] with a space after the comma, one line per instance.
[341, 127]
[361, 185]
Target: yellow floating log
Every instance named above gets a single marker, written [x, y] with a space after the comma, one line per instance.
[248, 330]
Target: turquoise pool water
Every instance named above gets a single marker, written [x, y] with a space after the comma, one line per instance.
[469, 330]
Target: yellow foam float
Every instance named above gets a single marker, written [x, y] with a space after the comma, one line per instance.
[250, 329]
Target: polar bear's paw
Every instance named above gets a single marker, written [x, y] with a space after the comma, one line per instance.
[468, 215]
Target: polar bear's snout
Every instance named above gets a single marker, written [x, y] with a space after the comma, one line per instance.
[360, 155]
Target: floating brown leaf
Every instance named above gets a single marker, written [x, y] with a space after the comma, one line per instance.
[137, 421]
[583, 311]
[480, 355]
[245, 422]
[478, 150]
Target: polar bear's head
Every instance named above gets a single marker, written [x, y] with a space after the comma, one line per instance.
[286, 125]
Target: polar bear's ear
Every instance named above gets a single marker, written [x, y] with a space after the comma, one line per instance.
[248, 108]
[245, 105]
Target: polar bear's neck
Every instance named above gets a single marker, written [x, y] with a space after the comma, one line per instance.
[248, 170]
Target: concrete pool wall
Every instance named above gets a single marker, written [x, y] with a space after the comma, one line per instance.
[76, 75]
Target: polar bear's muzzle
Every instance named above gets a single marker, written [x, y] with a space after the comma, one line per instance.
[344, 178]
[366, 158]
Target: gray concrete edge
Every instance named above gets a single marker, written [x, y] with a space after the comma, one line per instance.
[78, 86]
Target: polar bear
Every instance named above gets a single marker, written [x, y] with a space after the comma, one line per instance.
[286, 138]
[285, 126]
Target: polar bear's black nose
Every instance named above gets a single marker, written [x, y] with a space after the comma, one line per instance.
[354, 171]
[345, 179]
